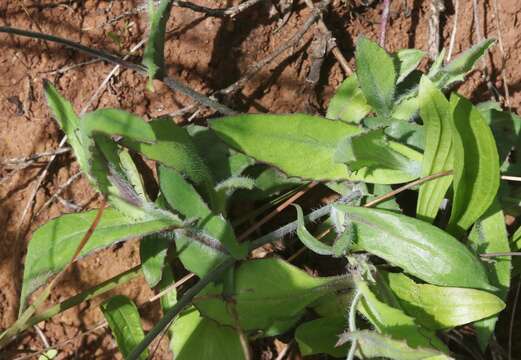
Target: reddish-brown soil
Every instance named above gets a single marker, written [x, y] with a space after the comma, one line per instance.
[205, 53]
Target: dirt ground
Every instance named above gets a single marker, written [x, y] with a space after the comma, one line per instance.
[207, 54]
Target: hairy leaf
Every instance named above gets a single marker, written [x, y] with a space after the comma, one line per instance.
[52, 245]
[436, 114]
[406, 61]
[438, 307]
[154, 55]
[419, 248]
[476, 165]
[152, 250]
[376, 74]
[124, 322]
[349, 103]
[195, 337]
[309, 240]
[320, 336]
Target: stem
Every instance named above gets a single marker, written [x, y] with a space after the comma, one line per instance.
[352, 323]
[383, 22]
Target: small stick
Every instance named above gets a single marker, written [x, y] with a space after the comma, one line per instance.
[502, 50]
[383, 22]
[498, 254]
[454, 29]
[27, 160]
[436, 7]
[335, 50]
[172, 286]
[57, 193]
[228, 12]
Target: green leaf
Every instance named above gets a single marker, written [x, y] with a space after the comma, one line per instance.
[309, 240]
[52, 245]
[376, 74]
[169, 299]
[419, 248]
[175, 148]
[407, 133]
[349, 103]
[371, 152]
[373, 345]
[152, 250]
[269, 295]
[320, 337]
[48, 354]
[393, 321]
[154, 55]
[298, 144]
[202, 248]
[124, 322]
[489, 234]
[407, 61]
[476, 165]
[457, 69]
[195, 337]
[438, 156]
[438, 307]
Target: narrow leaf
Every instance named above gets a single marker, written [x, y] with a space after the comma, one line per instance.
[376, 74]
[438, 307]
[124, 322]
[152, 250]
[52, 245]
[438, 156]
[309, 240]
[419, 248]
[476, 165]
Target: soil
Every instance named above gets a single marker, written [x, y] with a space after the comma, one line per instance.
[207, 54]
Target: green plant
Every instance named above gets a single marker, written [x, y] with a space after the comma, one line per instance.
[408, 276]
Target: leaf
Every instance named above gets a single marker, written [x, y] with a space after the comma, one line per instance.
[489, 234]
[349, 103]
[52, 245]
[152, 250]
[154, 55]
[202, 248]
[407, 61]
[419, 248]
[476, 165]
[320, 336]
[195, 337]
[407, 133]
[371, 151]
[459, 67]
[374, 345]
[309, 240]
[438, 307]
[393, 321]
[269, 295]
[48, 354]
[124, 322]
[175, 148]
[438, 156]
[376, 74]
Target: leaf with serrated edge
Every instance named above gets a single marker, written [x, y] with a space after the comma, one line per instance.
[476, 165]
[421, 249]
[124, 322]
[52, 245]
[349, 103]
[438, 156]
[376, 75]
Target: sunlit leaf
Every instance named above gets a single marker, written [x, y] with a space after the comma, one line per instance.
[152, 250]
[349, 103]
[406, 61]
[436, 114]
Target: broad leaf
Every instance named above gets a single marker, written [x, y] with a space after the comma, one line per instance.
[407, 61]
[489, 234]
[299, 144]
[124, 322]
[436, 114]
[393, 321]
[195, 337]
[320, 337]
[269, 295]
[349, 103]
[419, 248]
[175, 148]
[52, 245]
[373, 345]
[152, 250]
[154, 55]
[438, 307]
[376, 74]
[476, 165]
